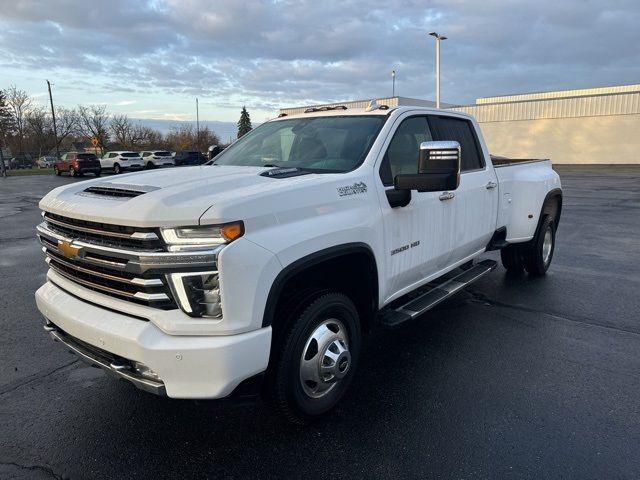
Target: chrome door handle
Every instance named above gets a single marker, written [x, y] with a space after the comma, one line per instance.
[447, 196]
[491, 185]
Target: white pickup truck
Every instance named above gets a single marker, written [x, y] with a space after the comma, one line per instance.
[260, 271]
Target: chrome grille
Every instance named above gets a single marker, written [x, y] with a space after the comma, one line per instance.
[108, 259]
[105, 234]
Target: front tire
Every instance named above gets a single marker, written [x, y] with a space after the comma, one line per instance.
[317, 357]
[98, 173]
[150, 166]
[538, 257]
[72, 172]
[56, 171]
[117, 169]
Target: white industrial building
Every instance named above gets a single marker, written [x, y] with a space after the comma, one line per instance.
[591, 125]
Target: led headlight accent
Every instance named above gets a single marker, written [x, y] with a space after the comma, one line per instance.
[203, 236]
[198, 294]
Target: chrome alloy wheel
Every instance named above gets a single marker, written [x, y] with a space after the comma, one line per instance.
[547, 243]
[325, 358]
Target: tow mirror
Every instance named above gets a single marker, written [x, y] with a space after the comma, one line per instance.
[438, 169]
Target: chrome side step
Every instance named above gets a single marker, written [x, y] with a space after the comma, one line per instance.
[417, 306]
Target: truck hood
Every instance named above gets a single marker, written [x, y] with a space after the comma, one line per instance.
[168, 197]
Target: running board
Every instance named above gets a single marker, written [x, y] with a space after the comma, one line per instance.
[433, 297]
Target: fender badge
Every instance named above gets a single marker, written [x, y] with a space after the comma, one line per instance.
[67, 249]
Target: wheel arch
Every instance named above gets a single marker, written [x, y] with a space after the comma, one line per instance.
[344, 263]
[552, 205]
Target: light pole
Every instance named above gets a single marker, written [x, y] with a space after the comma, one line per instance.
[438, 38]
[393, 83]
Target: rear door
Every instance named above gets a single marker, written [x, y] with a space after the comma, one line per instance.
[475, 205]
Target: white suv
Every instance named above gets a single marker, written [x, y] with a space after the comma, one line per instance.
[120, 161]
[157, 158]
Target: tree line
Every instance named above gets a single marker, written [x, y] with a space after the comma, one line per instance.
[27, 127]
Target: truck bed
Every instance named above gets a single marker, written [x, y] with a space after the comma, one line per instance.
[499, 161]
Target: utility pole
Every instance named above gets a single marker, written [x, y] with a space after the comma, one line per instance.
[53, 115]
[197, 123]
[393, 83]
[438, 38]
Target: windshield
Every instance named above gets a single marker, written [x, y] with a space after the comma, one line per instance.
[331, 144]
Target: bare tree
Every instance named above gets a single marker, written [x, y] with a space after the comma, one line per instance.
[184, 137]
[121, 127]
[39, 130]
[68, 123]
[19, 104]
[94, 122]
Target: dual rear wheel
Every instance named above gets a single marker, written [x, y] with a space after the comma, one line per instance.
[535, 256]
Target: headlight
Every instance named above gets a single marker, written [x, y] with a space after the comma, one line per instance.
[198, 294]
[198, 237]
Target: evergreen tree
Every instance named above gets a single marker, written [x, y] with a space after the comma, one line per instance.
[244, 124]
[7, 127]
[6, 119]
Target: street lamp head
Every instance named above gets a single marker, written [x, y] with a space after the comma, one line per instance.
[393, 73]
[442, 38]
[433, 34]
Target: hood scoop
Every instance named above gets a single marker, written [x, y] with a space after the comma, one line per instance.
[117, 191]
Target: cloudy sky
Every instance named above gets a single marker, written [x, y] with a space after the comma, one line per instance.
[151, 59]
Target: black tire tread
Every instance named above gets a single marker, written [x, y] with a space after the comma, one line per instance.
[278, 392]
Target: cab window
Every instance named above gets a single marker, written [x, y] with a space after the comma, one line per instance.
[403, 152]
[461, 131]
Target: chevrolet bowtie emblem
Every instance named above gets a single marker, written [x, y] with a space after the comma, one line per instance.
[67, 249]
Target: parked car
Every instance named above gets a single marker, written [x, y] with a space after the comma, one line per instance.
[214, 151]
[121, 161]
[45, 161]
[157, 158]
[260, 272]
[77, 164]
[20, 162]
[189, 157]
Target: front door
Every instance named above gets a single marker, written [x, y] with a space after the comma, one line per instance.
[417, 237]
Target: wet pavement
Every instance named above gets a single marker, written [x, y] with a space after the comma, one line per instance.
[513, 377]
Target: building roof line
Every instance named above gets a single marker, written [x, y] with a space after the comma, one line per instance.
[543, 92]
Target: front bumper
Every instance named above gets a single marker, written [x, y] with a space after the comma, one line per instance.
[198, 367]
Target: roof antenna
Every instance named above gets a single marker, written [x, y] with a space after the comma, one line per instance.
[373, 105]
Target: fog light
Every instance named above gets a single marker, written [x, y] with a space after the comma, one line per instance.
[198, 294]
[141, 369]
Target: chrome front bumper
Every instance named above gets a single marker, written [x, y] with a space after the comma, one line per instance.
[116, 366]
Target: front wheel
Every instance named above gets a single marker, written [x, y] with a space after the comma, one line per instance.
[97, 173]
[72, 172]
[56, 171]
[317, 358]
[150, 166]
[538, 257]
[116, 169]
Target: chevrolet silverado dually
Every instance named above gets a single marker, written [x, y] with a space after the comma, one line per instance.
[259, 271]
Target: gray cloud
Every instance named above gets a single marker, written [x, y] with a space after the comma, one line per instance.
[273, 53]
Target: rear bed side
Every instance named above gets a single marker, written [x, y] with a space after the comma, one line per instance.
[525, 186]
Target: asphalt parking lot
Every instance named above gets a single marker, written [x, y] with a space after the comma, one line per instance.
[514, 377]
